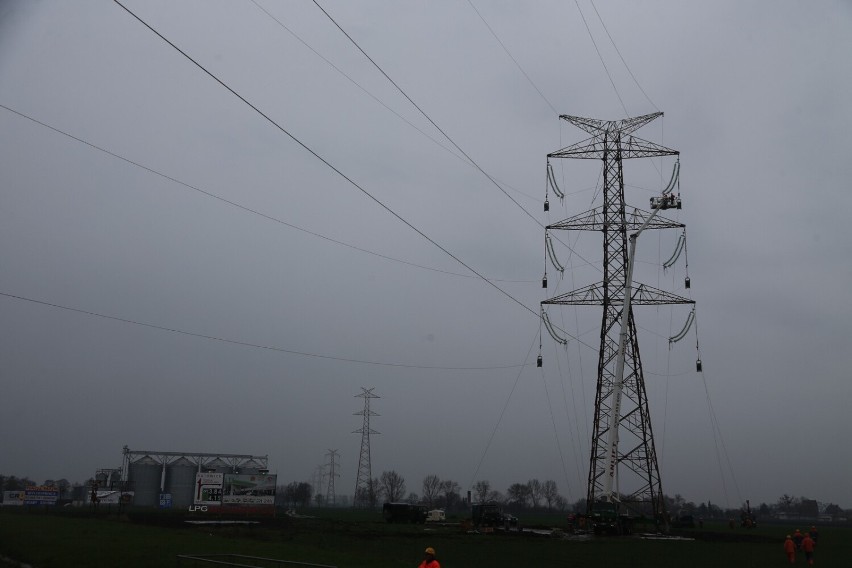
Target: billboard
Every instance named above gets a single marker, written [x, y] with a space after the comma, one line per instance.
[115, 497]
[208, 488]
[251, 489]
[13, 498]
[234, 493]
[41, 495]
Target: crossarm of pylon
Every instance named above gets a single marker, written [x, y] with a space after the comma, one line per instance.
[588, 149]
[593, 220]
[590, 125]
[591, 295]
[635, 147]
[629, 125]
[644, 295]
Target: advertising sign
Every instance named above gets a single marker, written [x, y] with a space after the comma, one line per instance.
[13, 498]
[249, 489]
[208, 488]
[41, 495]
[115, 497]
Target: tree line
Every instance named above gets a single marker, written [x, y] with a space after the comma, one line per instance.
[435, 493]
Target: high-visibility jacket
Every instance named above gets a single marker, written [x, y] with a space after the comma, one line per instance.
[808, 544]
[430, 564]
[789, 546]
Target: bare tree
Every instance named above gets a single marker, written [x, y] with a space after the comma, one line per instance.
[519, 493]
[550, 492]
[374, 492]
[534, 486]
[481, 490]
[431, 489]
[496, 496]
[450, 491]
[392, 486]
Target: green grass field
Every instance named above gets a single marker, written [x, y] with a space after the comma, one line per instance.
[345, 538]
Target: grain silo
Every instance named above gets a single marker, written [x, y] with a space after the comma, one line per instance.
[145, 475]
[180, 481]
[218, 465]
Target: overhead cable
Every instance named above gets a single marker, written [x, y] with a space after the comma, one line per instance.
[243, 207]
[254, 345]
[335, 169]
[427, 117]
[512, 57]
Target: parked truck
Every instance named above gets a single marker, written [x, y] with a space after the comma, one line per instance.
[404, 513]
[606, 519]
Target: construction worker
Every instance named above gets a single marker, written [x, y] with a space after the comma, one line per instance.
[797, 538]
[429, 559]
[790, 549]
[814, 534]
[808, 548]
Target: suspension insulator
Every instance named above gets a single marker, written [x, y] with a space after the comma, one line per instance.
[544, 282]
[546, 205]
[698, 366]
[686, 283]
[539, 361]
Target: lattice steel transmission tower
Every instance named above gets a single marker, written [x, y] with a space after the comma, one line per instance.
[365, 493]
[332, 473]
[626, 472]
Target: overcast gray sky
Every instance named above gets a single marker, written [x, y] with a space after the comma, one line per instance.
[756, 98]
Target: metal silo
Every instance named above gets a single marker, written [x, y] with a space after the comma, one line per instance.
[249, 467]
[180, 482]
[218, 466]
[144, 476]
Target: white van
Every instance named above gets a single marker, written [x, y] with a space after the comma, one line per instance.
[436, 516]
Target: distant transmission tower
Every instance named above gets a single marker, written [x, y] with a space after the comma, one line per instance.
[332, 473]
[623, 463]
[364, 490]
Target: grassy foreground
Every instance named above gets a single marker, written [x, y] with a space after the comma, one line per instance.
[357, 539]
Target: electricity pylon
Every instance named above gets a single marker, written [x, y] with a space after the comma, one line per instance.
[364, 490]
[332, 473]
[632, 460]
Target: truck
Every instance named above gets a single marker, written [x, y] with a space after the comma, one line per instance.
[404, 513]
[605, 519]
[488, 515]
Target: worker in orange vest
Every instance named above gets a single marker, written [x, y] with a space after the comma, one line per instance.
[790, 549]
[808, 548]
[429, 559]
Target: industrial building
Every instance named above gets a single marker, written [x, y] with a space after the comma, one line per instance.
[151, 475]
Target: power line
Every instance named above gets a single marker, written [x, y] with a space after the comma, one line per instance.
[243, 207]
[427, 117]
[512, 57]
[249, 344]
[617, 94]
[337, 171]
[347, 178]
[378, 100]
[622, 57]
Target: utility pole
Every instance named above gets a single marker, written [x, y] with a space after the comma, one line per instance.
[364, 490]
[332, 473]
[623, 462]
